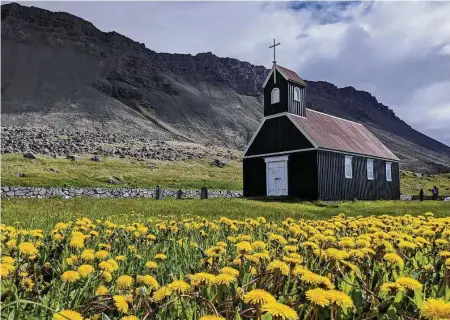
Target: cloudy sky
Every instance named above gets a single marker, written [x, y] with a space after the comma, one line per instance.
[398, 51]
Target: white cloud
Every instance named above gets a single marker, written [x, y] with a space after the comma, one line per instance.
[399, 51]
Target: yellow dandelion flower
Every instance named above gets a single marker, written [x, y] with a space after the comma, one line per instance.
[106, 266]
[258, 245]
[27, 284]
[107, 276]
[436, 309]
[149, 281]
[160, 256]
[258, 297]
[212, 317]
[180, 286]
[120, 258]
[101, 254]
[230, 271]
[101, 290]
[202, 278]
[11, 244]
[224, 279]
[394, 259]
[129, 318]
[67, 314]
[70, 276]
[8, 260]
[85, 270]
[113, 263]
[162, 293]
[151, 265]
[6, 270]
[318, 296]
[244, 247]
[409, 283]
[124, 282]
[280, 311]
[340, 298]
[28, 249]
[336, 254]
[280, 266]
[121, 303]
[391, 288]
[88, 255]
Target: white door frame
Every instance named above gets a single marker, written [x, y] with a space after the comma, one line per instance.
[277, 159]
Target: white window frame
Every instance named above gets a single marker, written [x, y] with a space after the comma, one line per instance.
[370, 175]
[388, 171]
[348, 161]
[296, 94]
[275, 96]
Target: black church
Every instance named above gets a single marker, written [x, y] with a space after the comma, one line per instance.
[311, 155]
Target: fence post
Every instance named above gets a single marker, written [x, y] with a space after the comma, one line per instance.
[158, 194]
[204, 193]
[179, 194]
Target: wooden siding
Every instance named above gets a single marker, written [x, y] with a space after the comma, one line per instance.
[282, 84]
[302, 176]
[287, 103]
[296, 107]
[332, 184]
[254, 177]
[277, 135]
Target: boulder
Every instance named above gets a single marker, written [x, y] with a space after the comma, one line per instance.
[71, 157]
[418, 174]
[114, 180]
[29, 155]
[219, 163]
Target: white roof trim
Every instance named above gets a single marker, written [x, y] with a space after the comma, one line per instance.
[279, 153]
[270, 74]
[254, 135]
[307, 136]
[276, 159]
[276, 116]
[360, 154]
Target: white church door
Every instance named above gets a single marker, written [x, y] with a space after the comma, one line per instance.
[276, 175]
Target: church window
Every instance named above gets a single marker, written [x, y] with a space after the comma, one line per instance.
[296, 94]
[275, 96]
[369, 169]
[388, 171]
[348, 167]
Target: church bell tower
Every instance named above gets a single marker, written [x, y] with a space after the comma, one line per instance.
[284, 90]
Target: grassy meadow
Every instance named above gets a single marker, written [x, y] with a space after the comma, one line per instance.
[95, 259]
[86, 173]
[44, 213]
[191, 174]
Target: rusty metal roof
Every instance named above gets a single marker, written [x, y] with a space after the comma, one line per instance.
[333, 133]
[291, 75]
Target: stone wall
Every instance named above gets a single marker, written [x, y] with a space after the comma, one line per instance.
[68, 193]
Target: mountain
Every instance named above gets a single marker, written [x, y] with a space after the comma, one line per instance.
[60, 71]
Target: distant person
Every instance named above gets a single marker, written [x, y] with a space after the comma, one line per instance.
[435, 192]
[421, 194]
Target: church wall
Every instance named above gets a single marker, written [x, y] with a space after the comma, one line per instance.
[332, 184]
[282, 84]
[277, 135]
[254, 177]
[296, 107]
[302, 176]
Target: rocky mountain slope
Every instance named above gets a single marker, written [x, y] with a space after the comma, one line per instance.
[59, 71]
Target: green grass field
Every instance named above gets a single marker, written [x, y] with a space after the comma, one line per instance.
[169, 174]
[38, 213]
[87, 173]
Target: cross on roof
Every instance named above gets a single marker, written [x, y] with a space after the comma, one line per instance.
[273, 46]
[274, 61]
